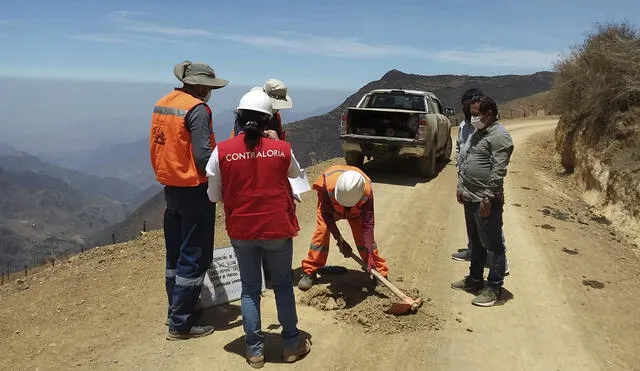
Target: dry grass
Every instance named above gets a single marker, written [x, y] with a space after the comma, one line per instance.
[600, 78]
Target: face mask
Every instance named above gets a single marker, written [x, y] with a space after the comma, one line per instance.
[476, 122]
[207, 97]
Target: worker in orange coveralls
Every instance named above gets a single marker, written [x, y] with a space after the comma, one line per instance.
[344, 192]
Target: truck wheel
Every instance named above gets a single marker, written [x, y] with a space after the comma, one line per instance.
[354, 159]
[427, 165]
[446, 155]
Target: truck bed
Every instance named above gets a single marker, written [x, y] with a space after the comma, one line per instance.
[383, 122]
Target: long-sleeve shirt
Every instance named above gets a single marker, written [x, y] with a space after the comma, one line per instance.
[214, 189]
[462, 141]
[367, 216]
[197, 124]
[483, 166]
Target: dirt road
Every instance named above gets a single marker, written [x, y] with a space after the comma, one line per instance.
[571, 296]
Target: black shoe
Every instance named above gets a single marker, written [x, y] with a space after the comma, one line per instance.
[461, 255]
[306, 281]
[194, 332]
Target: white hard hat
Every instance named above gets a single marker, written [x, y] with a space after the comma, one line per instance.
[349, 188]
[256, 100]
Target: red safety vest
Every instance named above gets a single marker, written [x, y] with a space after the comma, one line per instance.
[257, 196]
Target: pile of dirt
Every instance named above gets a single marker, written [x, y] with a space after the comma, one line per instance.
[366, 305]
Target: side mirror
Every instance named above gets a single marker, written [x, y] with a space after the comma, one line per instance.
[449, 112]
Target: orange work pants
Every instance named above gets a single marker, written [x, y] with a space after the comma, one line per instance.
[319, 248]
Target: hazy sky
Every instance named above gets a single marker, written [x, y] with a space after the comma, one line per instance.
[45, 116]
[122, 53]
[329, 43]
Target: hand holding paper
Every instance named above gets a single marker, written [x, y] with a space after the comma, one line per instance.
[300, 184]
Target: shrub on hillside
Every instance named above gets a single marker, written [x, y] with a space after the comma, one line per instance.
[600, 78]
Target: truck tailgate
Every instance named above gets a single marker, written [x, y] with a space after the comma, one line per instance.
[379, 139]
[382, 122]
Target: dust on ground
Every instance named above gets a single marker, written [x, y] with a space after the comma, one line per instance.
[357, 300]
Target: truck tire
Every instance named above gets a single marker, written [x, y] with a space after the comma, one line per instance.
[446, 155]
[427, 165]
[354, 159]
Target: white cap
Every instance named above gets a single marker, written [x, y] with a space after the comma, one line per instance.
[349, 188]
[256, 100]
[277, 90]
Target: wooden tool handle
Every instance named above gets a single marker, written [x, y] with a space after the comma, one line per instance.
[380, 278]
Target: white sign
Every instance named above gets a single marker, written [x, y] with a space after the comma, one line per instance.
[300, 184]
[222, 280]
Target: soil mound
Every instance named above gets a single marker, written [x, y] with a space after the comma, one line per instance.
[358, 301]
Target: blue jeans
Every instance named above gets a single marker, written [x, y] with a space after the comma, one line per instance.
[503, 241]
[486, 234]
[278, 255]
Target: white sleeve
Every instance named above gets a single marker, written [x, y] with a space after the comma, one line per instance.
[214, 191]
[294, 167]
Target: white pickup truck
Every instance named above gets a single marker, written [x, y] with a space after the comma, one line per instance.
[397, 123]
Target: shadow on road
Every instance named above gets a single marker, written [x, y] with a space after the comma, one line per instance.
[222, 317]
[272, 344]
[399, 171]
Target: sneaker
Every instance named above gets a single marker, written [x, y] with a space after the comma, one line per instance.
[307, 281]
[467, 284]
[294, 354]
[487, 297]
[461, 255]
[194, 332]
[255, 360]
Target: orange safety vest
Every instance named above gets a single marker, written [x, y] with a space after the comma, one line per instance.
[170, 141]
[327, 182]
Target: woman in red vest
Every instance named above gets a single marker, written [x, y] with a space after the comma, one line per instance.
[249, 173]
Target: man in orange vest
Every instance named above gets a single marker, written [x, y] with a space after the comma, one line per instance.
[344, 192]
[277, 91]
[180, 144]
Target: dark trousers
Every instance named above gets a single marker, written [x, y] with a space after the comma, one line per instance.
[486, 234]
[188, 232]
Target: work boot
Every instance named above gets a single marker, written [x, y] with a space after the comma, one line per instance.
[487, 297]
[294, 354]
[197, 314]
[194, 332]
[467, 284]
[461, 255]
[306, 281]
[255, 360]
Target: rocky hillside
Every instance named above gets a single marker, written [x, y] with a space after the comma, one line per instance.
[598, 137]
[41, 216]
[537, 105]
[316, 138]
[108, 187]
[148, 216]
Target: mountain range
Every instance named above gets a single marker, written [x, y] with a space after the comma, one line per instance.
[315, 139]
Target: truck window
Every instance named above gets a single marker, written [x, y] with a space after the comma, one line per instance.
[438, 106]
[433, 106]
[410, 102]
